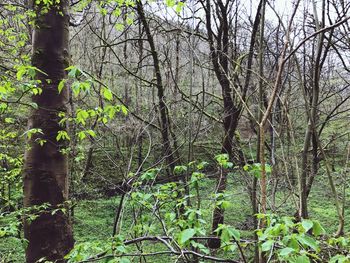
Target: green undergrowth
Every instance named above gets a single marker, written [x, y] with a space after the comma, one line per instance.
[93, 219]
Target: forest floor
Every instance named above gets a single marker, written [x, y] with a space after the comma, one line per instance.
[93, 219]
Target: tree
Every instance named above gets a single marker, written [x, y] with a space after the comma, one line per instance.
[224, 55]
[220, 60]
[46, 166]
[168, 152]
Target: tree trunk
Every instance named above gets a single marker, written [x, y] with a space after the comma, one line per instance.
[312, 114]
[168, 152]
[220, 61]
[46, 168]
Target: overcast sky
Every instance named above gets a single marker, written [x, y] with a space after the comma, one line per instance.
[284, 8]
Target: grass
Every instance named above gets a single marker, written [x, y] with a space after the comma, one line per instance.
[93, 219]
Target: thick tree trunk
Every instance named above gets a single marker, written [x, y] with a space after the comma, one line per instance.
[46, 168]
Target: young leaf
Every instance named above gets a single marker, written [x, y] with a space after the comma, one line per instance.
[124, 260]
[91, 133]
[266, 246]
[186, 235]
[302, 259]
[307, 224]
[107, 94]
[234, 233]
[317, 229]
[308, 241]
[124, 110]
[61, 85]
[286, 251]
[180, 169]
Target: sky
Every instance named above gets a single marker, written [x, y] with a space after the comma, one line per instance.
[284, 8]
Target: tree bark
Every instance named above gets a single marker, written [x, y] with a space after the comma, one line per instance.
[46, 168]
[168, 151]
[312, 114]
[220, 60]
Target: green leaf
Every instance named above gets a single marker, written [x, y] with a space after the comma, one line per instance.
[149, 174]
[117, 11]
[179, 7]
[228, 233]
[91, 133]
[307, 224]
[121, 249]
[227, 165]
[81, 135]
[61, 85]
[119, 26]
[196, 176]
[268, 168]
[302, 259]
[339, 259]
[129, 21]
[180, 169]
[110, 110]
[225, 204]
[124, 110]
[234, 233]
[82, 115]
[73, 71]
[76, 88]
[201, 247]
[33, 131]
[170, 3]
[124, 260]
[317, 229]
[9, 120]
[107, 93]
[267, 245]
[62, 135]
[222, 158]
[186, 235]
[308, 241]
[202, 165]
[293, 243]
[285, 251]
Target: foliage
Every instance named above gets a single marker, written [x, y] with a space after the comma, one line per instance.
[165, 210]
[113, 136]
[305, 241]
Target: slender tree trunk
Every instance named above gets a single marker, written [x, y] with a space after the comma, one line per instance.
[303, 211]
[253, 192]
[310, 134]
[137, 101]
[46, 168]
[164, 116]
[89, 165]
[315, 161]
[259, 256]
[219, 57]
